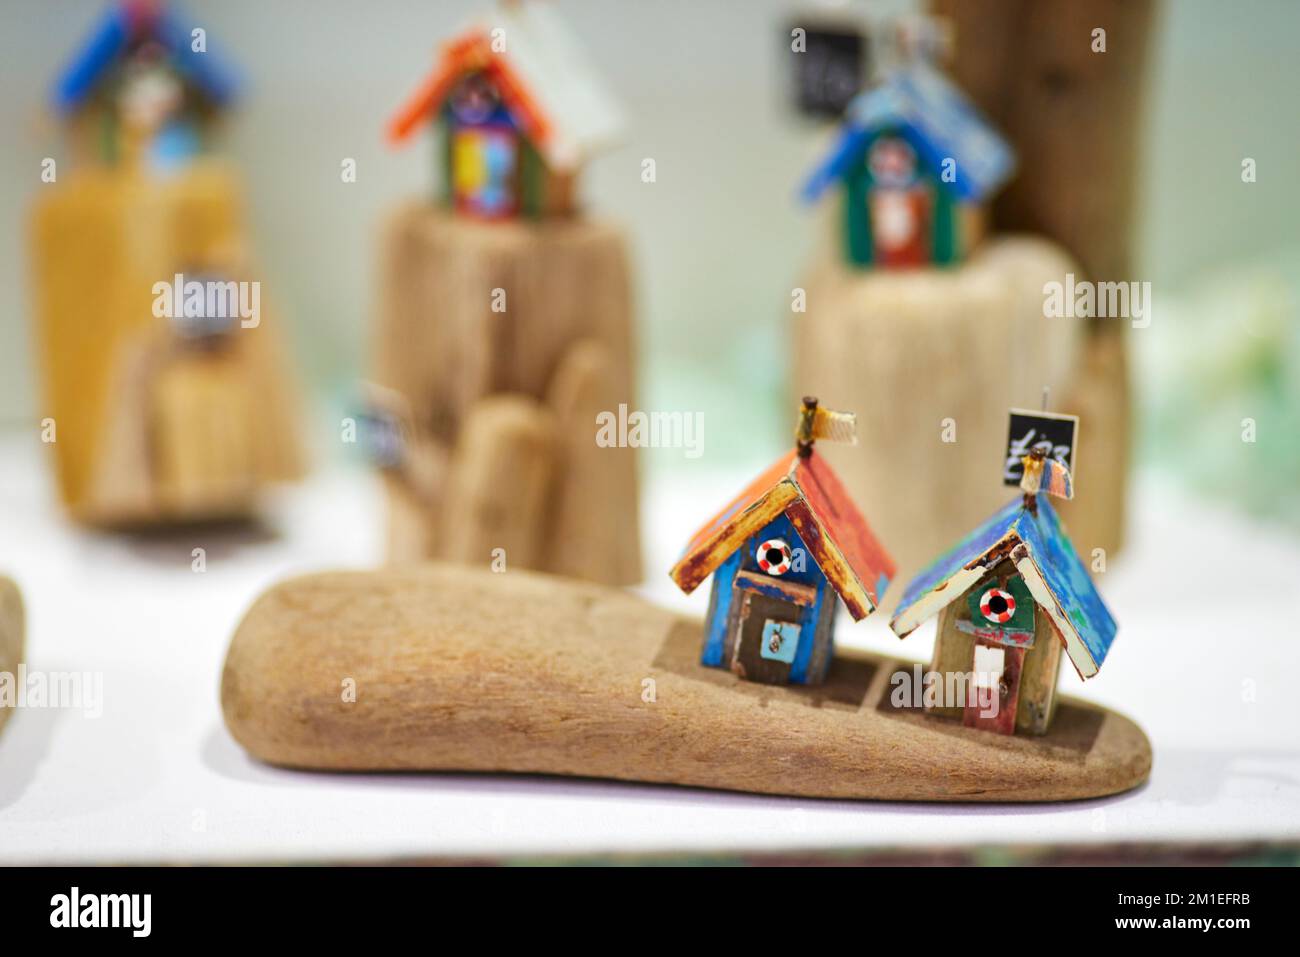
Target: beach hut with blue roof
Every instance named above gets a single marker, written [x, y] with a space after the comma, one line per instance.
[144, 84]
[917, 163]
[1011, 596]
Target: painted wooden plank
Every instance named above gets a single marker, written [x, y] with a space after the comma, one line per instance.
[790, 591]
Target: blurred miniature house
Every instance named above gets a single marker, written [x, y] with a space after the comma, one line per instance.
[916, 163]
[1010, 596]
[505, 321]
[168, 399]
[520, 113]
[928, 330]
[783, 553]
[139, 91]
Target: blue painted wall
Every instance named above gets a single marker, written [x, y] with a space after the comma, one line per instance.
[744, 558]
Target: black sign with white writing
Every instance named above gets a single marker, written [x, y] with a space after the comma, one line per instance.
[1057, 435]
[830, 66]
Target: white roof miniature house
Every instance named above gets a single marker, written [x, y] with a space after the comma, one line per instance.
[521, 111]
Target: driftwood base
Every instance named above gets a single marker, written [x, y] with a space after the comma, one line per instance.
[440, 667]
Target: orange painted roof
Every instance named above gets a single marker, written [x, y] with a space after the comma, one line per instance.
[542, 75]
[835, 532]
[472, 51]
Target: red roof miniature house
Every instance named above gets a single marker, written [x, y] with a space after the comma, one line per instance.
[520, 110]
[783, 553]
[139, 88]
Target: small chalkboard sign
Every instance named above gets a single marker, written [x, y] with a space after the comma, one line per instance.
[1057, 435]
[830, 65]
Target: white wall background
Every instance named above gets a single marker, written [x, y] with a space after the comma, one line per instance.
[718, 240]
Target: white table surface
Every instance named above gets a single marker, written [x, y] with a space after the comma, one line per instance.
[1206, 660]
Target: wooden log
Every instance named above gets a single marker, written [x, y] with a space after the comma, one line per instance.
[102, 239]
[1074, 117]
[440, 667]
[1072, 114]
[470, 310]
[499, 485]
[598, 498]
[12, 627]
[918, 351]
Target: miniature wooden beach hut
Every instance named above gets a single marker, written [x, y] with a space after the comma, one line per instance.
[1010, 596]
[783, 553]
[166, 393]
[143, 88]
[505, 316]
[917, 164]
[520, 112]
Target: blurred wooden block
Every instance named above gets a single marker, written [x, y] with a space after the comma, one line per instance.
[201, 405]
[12, 627]
[535, 310]
[102, 238]
[1024, 65]
[911, 350]
[500, 480]
[598, 495]
[448, 668]
[1099, 394]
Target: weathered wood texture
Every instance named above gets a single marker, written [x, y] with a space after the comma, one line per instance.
[1099, 394]
[540, 312]
[146, 428]
[1075, 118]
[12, 627]
[909, 350]
[462, 669]
[954, 651]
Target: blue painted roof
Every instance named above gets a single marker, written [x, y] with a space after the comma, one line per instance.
[937, 120]
[122, 24]
[1048, 547]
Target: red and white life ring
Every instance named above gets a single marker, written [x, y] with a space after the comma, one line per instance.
[773, 556]
[997, 605]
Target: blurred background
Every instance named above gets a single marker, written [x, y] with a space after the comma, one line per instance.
[717, 243]
[719, 240]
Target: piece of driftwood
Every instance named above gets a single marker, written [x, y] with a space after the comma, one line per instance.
[12, 627]
[499, 482]
[443, 667]
[931, 360]
[150, 427]
[1028, 64]
[537, 311]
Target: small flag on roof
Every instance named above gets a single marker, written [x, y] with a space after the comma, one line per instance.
[818, 423]
[1046, 475]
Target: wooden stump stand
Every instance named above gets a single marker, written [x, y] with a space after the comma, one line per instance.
[931, 359]
[505, 341]
[149, 428]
